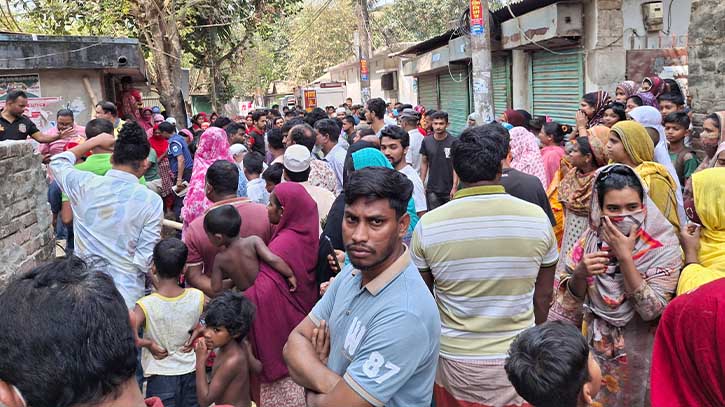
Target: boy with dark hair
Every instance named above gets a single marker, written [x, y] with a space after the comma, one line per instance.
[253, 167]
[685, 160]
[272, 176]
[547, 377]
[227, 321]
[167, 315]
[671, 103]
[238, 257]
[375, 114]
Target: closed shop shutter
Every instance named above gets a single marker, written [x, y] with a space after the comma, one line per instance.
[454, 97]
[557, 85]
[501, 78]
[428, 91]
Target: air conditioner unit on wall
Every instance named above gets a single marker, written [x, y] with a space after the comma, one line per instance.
[388, 81]
[653, 16]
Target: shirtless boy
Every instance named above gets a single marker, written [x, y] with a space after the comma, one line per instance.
[238, 257]
[228, 319]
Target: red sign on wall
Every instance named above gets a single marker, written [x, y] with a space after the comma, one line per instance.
[310, 99]
[476, 17]
[364, 72]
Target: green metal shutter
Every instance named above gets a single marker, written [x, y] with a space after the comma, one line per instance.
[455, 97]
[557, 85]
[501, 78]
[428, 91]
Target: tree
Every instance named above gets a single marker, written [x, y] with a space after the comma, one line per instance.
[413, 20]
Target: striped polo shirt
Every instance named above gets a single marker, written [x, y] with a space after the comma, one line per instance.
[484, 249]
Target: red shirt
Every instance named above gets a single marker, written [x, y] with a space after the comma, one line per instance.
[254, 222]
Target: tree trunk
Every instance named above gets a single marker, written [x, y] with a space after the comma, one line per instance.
[161, 34]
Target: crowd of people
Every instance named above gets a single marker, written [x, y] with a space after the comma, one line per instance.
[365, 256]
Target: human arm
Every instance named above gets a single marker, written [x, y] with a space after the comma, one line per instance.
[150, 234]
[581, 123]
[423, 167]
[197, 279]
[49, 138]
[228, 369]
[456, 180]
[66, 213]
[255, 365]
[138, 319]
[180, 172]
[543, 291]
[217, 276]
[274, 261]
[690, 241]
[417, 254]
[303, 361]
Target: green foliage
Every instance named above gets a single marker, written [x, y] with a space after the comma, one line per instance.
[68, 17]
[413, 20]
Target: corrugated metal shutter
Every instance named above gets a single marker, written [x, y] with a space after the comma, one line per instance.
[557, 85]
[501, 78]
[428, 91]
[454, 97]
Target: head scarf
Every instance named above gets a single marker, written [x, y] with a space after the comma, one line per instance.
[146, 125]
[525, 154]
[187, 133]
[600, 106]
[514, 118]
[656, 255]
[629, 88]
[650, 117]
[648, 99]
[687, 357]
[658, 85]
[708, 162]
[720, 149]
[213, 146]
[575, 189]
[708, 188]
[372, 157]
[158, 116]
[158, 142]
[637, 143]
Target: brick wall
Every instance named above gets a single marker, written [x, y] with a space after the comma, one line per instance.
[706, 57]
[26, 237]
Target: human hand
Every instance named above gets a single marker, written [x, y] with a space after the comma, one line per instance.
[292, 281]
[193, 335]
[581, 119]
[690, 241]
[103, 140]
[180, 186]
[67, 132]
[621, 245]
[157, 351]
[321, 341]
[340, 257]
[202, 353]
[453, 191]
[324, 286]
[592, 264]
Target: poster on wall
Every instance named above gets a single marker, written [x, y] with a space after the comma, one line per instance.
[28, 83]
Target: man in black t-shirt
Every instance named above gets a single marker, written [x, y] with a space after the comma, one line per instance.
[15, 126]
[437, 163]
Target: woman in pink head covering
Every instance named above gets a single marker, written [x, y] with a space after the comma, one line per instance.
[213, 146]
[279, 311]
[525, 154]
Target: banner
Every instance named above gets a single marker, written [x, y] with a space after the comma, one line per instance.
[310, 99]
[364, 72]
[476, 17]
[29, 84]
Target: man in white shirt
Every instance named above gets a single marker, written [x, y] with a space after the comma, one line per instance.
[328, 134]
[409, 120]
[394, 143]
[297, 161]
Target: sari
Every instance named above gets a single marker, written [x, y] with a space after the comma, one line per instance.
[279, 311]
[648, 99]
[161, 146]
[525, 154]
[708, 189]
[629, 88]
[687, 362]
[658, 86]
[640, 149]
[213, 146]
[603, 101]
[619, 325]
[551, 157]
[144, 124]
[650, 117]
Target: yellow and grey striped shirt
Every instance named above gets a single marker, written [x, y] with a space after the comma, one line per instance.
[485, 249]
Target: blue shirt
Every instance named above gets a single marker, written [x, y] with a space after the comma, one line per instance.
[384, 336]
[242, 188]
[115, 218]
[177, 147]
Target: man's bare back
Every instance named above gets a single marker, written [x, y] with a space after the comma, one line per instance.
[242, 363]
[240, 262]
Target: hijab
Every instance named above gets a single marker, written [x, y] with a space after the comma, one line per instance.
[656, 255]
[648, 99]
[708, 188]
[575, 189]
[629, 88]
[372, 157]
[650, 117]
[158, 142]
[658, 85]
[525, 154]
[720, 149]
[687, 356]
[514, 118]
[213, 146]
[600, 106]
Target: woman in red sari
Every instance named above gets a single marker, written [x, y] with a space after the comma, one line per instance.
[279, 311]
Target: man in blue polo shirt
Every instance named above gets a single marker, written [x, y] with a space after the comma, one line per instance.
[373, 337]
[180, 161]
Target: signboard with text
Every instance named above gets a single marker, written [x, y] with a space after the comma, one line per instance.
[364, 71]
[476, 17]
[310, 99]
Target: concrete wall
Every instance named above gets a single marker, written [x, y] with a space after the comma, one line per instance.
[350, 74]
[676, 36]
[26, 235]
[64, 89]
[605, 57]
[520, 64]
[706, 57]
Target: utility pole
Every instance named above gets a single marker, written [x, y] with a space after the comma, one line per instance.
[365, 51]
[481, 59]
